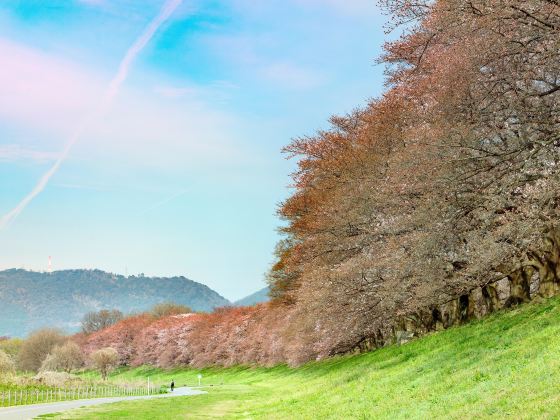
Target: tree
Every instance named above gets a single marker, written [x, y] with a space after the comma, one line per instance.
[95, 321]
[66, 357]
[37, 346]
[105, 360]
[7, 365]
[11, 346]
[169, 308]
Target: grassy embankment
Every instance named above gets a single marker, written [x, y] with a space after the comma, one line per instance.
[505, 365]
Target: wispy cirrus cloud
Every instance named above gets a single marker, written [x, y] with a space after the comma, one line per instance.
[15, 152]
[360, 8]
[44, 94]
[292, 76]
[111, 92]
[93, 2]
[252, 54]
[219, 91]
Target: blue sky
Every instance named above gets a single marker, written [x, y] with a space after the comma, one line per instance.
[183, 172]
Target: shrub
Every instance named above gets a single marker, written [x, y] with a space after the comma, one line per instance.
[96, 321]
[37, 346]
[56, 379]
[66, 357]
[105, 360]
[7, 365]
[11, 346]
[169, 308]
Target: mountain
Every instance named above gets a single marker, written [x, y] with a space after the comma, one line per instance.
[253, 299]
[30, 300]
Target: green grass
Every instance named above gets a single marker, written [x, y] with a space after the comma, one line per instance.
[507, 365]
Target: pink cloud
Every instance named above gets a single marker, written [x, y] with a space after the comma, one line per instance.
[47, 94]
[44, 91]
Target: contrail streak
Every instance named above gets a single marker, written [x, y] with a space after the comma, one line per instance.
[106, 101]
[164, 201]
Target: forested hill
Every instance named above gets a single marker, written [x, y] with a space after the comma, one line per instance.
[259, 296]
[29, 300]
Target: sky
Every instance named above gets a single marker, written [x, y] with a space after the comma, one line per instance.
[176, 167]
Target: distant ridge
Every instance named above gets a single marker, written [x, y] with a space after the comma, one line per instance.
[30, 300]
[257, 297]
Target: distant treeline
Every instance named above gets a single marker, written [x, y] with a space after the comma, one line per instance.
[31, 300]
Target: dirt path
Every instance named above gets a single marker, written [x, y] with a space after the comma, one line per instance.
[25, 412]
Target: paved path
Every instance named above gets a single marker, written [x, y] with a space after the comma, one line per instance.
[25, 412]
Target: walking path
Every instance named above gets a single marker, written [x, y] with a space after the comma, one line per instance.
[26, 412]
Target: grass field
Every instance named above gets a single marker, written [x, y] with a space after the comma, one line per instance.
[507, 365]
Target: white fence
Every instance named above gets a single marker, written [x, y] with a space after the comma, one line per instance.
[43, 395]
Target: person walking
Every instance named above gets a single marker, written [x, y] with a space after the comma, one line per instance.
[172, 385]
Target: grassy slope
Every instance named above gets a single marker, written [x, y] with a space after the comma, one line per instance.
[505, 365]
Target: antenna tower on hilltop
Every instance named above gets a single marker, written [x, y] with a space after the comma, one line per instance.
[49, 268]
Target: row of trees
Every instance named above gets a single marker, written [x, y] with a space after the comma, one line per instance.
[99, 320]
[49, 350]
[448, 181]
